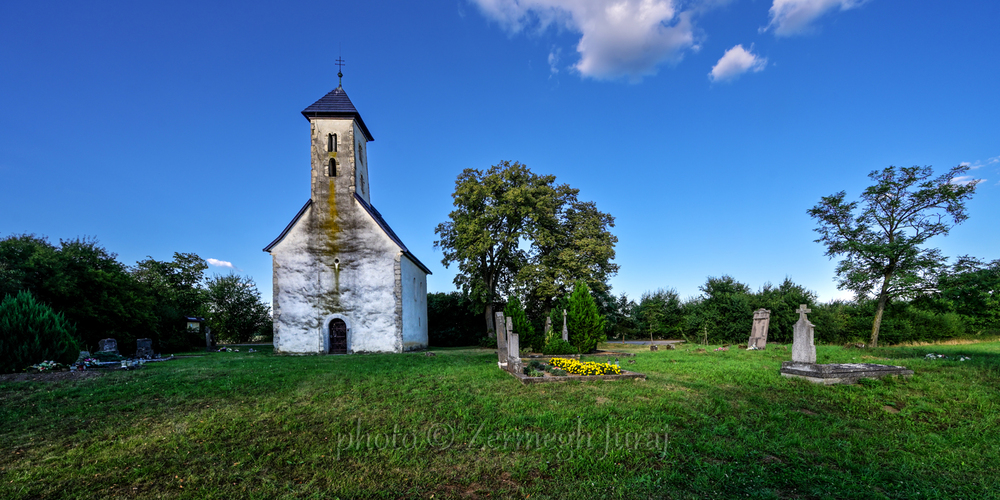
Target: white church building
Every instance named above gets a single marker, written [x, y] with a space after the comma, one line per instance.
[343, 281]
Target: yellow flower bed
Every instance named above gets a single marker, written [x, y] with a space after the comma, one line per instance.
[585, 367]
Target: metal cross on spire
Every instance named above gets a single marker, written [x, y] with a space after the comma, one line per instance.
[340, 73]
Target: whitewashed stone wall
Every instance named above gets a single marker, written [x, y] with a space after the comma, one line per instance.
[414, 302]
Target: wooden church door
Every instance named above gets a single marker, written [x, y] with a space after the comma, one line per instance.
[338, 336]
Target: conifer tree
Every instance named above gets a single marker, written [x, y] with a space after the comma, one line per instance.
[31, 332]
[585, 323]
[522, 327]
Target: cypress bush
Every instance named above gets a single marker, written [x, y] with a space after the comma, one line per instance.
[584, 322]
[31, 332]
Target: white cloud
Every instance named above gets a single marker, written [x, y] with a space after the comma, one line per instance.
[220, 263]
[965, 179]
[618, 37]
[554, 55]
[793, 17]
[735, 62]
[980, 164]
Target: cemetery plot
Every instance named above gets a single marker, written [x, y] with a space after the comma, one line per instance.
[563, 369]
[556, 369]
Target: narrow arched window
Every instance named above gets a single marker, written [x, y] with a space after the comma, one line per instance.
[331, 143]
[331, 168]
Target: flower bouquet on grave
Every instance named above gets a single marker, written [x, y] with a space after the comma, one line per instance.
[46, 366]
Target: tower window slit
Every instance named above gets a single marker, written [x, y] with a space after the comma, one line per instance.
[331, 143]
[331, 169]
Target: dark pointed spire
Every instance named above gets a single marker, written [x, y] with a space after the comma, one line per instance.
[337, 104]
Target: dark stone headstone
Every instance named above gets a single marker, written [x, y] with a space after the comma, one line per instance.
[654, 347]
[108, 345]
[210, 345]
[144, 348]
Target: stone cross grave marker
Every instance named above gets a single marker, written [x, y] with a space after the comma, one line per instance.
[803, 348]
[501, 341]
[758, 334]
[565, 331]
[107, 345]
[144, 348]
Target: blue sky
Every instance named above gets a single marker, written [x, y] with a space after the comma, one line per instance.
[707, 128]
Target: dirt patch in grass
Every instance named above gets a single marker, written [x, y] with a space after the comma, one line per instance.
[49, 376]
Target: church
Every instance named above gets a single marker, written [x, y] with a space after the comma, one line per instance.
[343, 281]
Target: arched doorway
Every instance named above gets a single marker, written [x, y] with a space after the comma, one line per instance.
[338, 336]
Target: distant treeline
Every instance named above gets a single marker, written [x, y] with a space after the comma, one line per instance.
[963, 302]
[101, 297]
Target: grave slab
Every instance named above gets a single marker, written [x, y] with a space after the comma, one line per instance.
[840, 373]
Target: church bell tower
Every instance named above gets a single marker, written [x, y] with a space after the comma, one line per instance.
[339, 140]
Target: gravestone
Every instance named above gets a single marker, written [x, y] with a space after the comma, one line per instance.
[209, 340]
[501, 341]
[83, 355]
[803, 364]
[548, 327]
[758, 334]
[513, 348]
[107, 345]
[565, 331]
[803, 347]
[144, 348]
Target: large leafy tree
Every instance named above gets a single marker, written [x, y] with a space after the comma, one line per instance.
[82, 280]
[660, 314]
[177, 290]
[971, 287]
[517, 233]
[782, 301]
[236, 311]
[574, 245]
[882, 236]
[723, 311]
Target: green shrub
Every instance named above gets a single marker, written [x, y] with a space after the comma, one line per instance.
[31, 332]
[559, 346]
[584, 322]
[488, 342]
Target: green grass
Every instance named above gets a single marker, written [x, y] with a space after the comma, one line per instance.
[242, 425]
